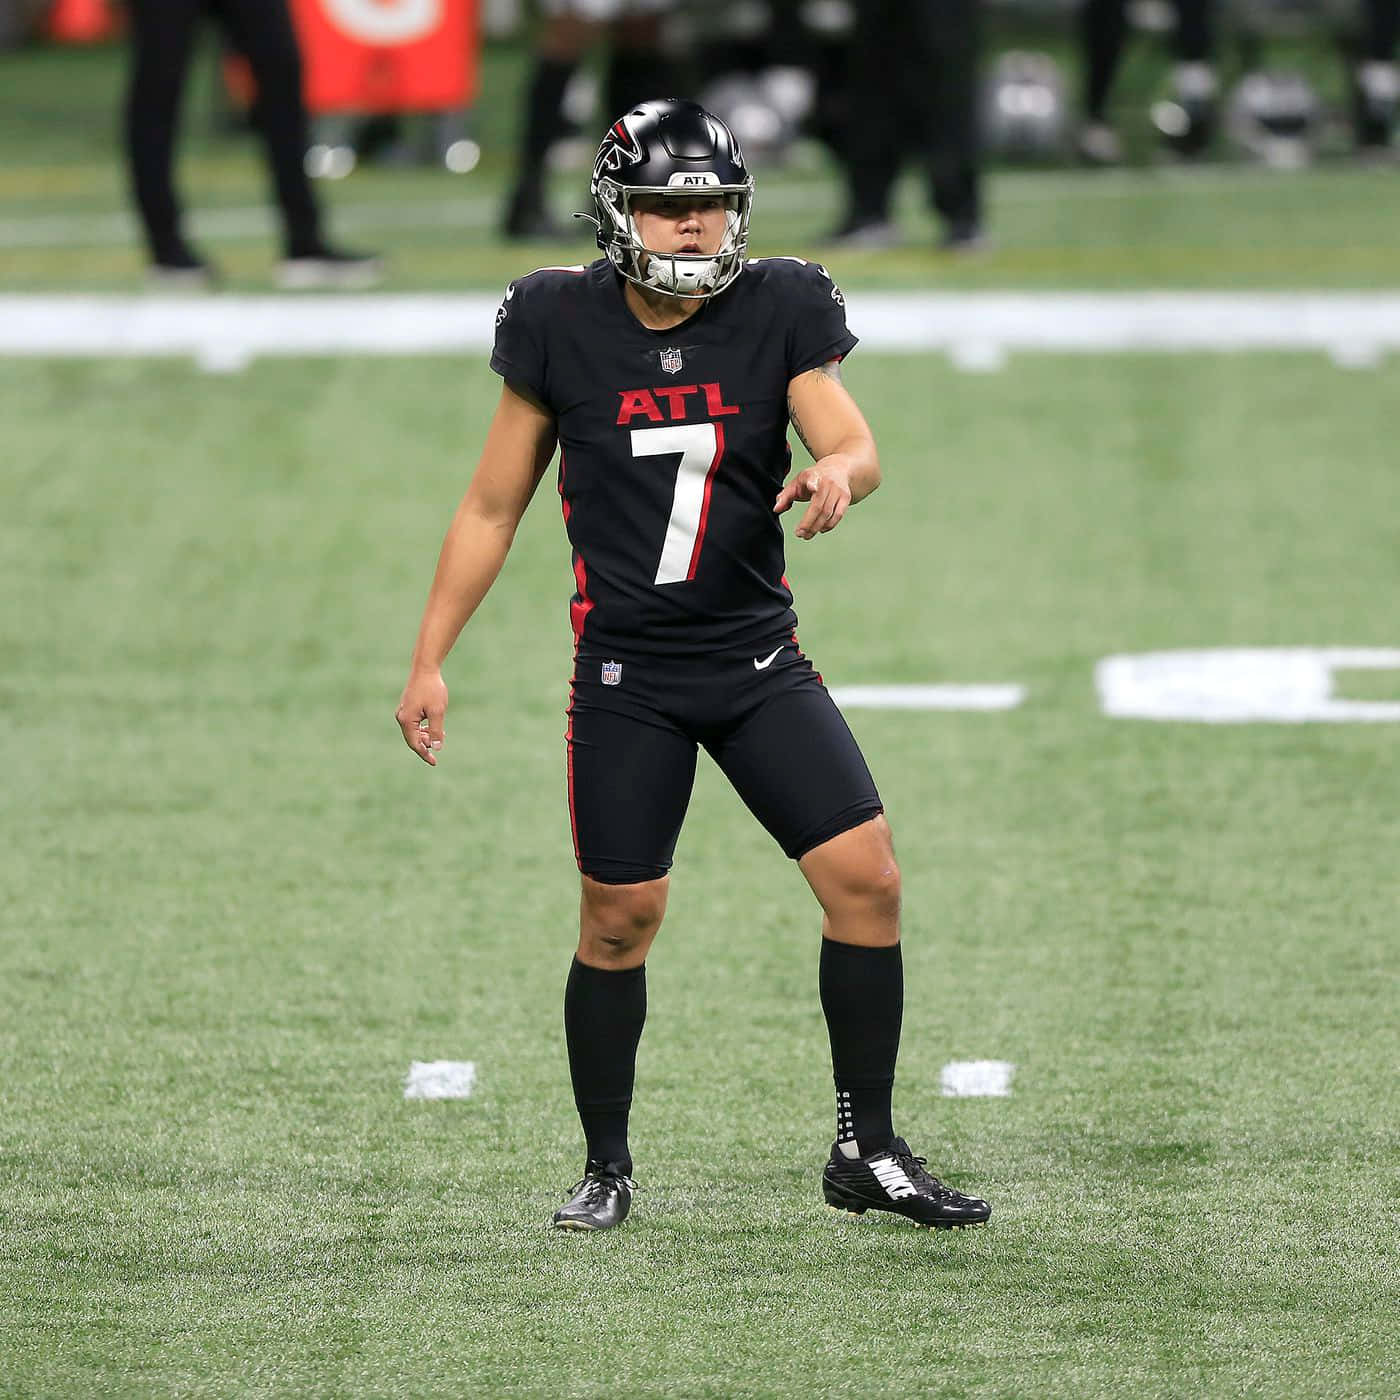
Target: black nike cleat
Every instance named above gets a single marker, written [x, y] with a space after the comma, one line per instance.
[895, 1180]
[598, 1202]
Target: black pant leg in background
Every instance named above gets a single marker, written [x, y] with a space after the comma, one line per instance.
[262, 31]
[162, 43]
[635, 73]
[1103, 26]
[1381, 30]
[875, 119]
[914, 83]
[951, 41]
[1195, 31]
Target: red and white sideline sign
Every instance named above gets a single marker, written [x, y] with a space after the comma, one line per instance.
[387, 55]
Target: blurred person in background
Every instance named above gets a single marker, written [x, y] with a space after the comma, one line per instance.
[913, 87]
[163, 34]
[1195, 87]
[636, 69]
[1376, 79]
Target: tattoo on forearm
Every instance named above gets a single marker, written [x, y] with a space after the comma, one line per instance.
[830, 370]
[797, 425]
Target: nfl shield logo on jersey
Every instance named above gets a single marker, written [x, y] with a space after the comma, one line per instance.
[671, 361]
[612, 673]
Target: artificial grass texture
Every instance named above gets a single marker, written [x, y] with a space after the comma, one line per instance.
[235, 907]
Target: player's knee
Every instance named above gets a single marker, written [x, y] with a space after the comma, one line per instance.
[878, 886]
[862, 872]
[880, 875]
[619, 921]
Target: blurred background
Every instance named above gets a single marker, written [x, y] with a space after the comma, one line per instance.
[1178, 142]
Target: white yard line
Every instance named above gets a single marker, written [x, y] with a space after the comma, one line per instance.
[974, 328]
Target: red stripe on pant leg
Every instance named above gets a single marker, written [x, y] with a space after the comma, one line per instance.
[582, 604]
[796, 644]
[569, 758]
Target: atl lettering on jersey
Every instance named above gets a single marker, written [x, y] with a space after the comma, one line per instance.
[643, 403]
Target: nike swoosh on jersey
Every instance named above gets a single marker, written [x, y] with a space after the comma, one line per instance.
[766, 662]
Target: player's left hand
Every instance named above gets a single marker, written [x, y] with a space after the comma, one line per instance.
[826, 484]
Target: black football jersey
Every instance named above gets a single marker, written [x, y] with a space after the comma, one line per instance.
[672, 446]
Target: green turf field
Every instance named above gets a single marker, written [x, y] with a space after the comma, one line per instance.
[235, 908]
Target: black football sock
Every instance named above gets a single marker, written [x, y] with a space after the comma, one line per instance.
[862, 992]
[603, 1017]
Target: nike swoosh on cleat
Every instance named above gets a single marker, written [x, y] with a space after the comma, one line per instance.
[766, 662]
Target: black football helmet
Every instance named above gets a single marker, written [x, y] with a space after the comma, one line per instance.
[659, 148]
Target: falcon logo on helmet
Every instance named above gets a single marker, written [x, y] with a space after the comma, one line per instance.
[658, 148]
[619, 149]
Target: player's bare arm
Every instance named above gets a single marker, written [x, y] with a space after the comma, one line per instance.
[519, 446]
[845, 466]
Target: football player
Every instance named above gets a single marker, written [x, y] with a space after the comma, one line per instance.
[667, 373]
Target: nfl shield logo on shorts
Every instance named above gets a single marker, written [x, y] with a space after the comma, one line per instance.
[671, 361]
[612, 673]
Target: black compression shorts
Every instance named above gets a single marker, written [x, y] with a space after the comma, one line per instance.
[635, 724]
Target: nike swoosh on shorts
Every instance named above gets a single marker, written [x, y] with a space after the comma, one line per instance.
[766, 662]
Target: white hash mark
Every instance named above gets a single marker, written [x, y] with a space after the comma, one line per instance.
[440, 1079]
[976, 1079]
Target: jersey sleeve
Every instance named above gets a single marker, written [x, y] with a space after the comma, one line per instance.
[518, 355]
[819, 331]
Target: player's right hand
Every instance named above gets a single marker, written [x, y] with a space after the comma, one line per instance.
[420, 714]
